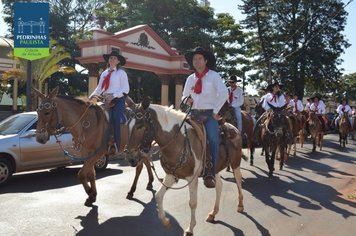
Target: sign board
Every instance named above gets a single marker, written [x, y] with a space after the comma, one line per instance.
[31, 30]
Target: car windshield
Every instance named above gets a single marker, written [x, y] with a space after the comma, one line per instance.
[15, 123]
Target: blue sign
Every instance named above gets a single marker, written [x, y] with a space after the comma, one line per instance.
[31, 30]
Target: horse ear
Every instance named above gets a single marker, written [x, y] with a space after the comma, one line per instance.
[54, 92]
[145, 102]
[39, 94]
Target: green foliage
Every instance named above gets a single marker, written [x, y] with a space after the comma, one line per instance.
[298, 41]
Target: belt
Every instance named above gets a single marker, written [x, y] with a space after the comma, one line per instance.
[202, 110]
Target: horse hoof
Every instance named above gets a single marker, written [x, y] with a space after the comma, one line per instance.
[210, 218]
[149, 187]
[129, 196]
[88, 203]
[240, 209]
[188, 234]
[166, 223]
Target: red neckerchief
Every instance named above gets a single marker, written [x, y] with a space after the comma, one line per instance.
[199, 85]
[106, 82]
[295, 105]
[343, 108]
[316, 106]
[274, 98]
[231, 93]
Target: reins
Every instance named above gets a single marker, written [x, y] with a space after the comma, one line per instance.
[74, 157]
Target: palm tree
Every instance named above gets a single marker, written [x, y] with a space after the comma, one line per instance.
[41, 69]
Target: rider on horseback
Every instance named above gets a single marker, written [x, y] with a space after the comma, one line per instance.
[343, 107]
[206, 94]
[318, 106]
[236, 99]
[113, 84]
[273, 97]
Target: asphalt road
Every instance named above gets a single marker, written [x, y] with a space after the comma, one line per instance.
[315, 194]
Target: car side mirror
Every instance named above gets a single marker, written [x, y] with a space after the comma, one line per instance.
[29, 134]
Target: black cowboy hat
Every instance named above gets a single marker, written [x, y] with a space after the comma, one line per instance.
[317, 95]
[211, 61]
[116, 54]
[270, 86]
[233, 79]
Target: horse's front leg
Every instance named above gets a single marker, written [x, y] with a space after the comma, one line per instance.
[271, 162]
[167, 182]
[321, 136]
[218, 188]
[134, 184]
[86, 174]
[150, 174]
[193, 202]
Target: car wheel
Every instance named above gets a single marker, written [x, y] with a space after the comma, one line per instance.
[102, 163]
[5, 170]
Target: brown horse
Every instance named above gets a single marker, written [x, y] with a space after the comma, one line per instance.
[275, 135]
[353, 126]
[247, 126]
[91, 130]
[344, 129]
[182, 145]
[316, 130]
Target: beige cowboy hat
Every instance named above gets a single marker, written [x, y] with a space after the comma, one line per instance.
[116, 54]
[211, 61]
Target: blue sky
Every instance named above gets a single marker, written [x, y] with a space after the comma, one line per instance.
[230, 6]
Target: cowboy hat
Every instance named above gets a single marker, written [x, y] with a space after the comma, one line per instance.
[317, 95]
[116, 54]
[270, 86]
[211, 61]
[233, 79]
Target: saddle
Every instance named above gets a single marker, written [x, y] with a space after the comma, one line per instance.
[226, 132]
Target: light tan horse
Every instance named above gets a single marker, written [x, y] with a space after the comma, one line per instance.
[89, 125]
[182, 147]
[316, 130]
[344, 129]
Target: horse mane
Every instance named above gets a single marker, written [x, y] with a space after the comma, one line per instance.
[167, 114]
[83, 101]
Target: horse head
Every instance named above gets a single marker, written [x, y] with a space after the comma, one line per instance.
[276, 120]
[141, 133]
[47, 116]
[259, 109]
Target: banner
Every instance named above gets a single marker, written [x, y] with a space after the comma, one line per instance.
[31, 30]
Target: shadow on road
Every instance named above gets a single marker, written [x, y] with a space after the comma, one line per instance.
[145, 224]
[49, 179]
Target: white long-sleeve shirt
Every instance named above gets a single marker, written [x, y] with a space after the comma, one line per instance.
[119, 84]
[318, 109]
[274, 100]
[299, 106]
[347, 109]
[238, 97]
[214, 92]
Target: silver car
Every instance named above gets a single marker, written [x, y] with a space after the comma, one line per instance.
[19, 150]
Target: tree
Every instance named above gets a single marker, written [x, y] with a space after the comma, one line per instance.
[41, 69]
[298, 41]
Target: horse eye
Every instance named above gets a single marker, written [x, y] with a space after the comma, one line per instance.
[46, 113]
